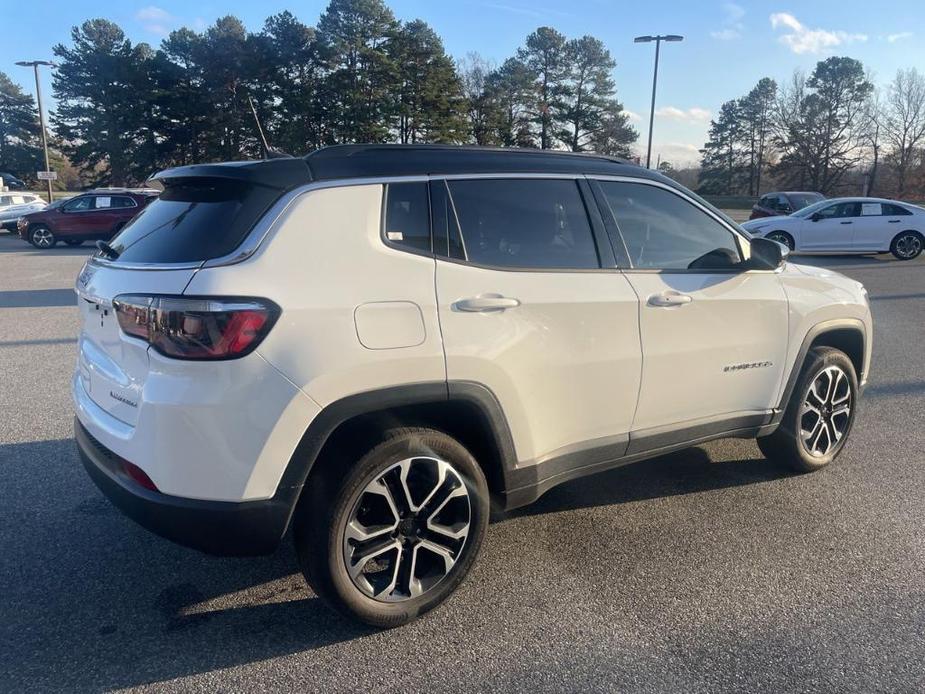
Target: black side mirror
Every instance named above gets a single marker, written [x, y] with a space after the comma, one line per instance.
[815, 217]
[767, 254]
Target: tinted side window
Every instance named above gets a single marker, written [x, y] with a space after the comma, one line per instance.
[894, 210]
[663, 231]
[122, 201]
[193, 220]
[78, 204]
[407, 215]
[524, 223]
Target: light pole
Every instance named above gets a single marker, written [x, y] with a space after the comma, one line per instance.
[34, 64]
[658, 42]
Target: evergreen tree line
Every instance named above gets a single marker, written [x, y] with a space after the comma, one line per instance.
[831, 131]
[126, 110]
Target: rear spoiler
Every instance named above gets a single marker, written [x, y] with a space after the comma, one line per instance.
[281, 174]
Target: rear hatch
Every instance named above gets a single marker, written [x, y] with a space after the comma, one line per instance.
[205, 212]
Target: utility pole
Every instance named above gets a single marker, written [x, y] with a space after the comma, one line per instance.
[34, 64]
[658, 42]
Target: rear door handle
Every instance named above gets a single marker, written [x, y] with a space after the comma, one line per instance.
[484, 304]
[669, 299]
[846, 222]
[893, 221]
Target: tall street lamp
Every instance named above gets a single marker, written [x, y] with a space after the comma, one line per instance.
[34, 64]
[658, 42]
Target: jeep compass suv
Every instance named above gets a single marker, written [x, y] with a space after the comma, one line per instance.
[372, 345]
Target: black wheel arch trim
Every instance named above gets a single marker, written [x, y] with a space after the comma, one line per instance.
[370, 402]
[814, 333]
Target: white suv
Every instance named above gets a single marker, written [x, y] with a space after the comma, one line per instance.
[374, 344]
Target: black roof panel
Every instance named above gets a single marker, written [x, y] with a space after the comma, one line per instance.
[366, 161]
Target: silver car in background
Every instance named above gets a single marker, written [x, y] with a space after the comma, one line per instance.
[15, 205]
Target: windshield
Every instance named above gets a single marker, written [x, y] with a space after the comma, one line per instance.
[801, 200]
[807, 211]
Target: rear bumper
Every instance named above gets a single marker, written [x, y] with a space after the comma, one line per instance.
[222, 528]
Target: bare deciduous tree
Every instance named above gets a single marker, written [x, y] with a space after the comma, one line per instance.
[904, 121]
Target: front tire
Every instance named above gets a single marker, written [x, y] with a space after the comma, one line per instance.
[42, 237]
[820, 414]
[392, 536]
[907, 245]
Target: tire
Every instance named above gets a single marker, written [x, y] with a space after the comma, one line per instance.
[782, 237]
[412, 578]
[798, 441]
[42, 237]
[73, 242]
[907, 245]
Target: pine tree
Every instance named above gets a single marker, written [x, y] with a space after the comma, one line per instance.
[363, 81]
[757, 111]
[431, 100]
[592, 117]
[20, 151]
[545, 55]
[100, 114]
[510, 94]
[723, 163]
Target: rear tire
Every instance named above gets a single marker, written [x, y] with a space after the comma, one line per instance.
[819, 415]
[42, 237]
[907, 245]
[782, 237]
[364, 547]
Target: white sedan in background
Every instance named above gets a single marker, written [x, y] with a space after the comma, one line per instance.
[848, 225]
[15, 205]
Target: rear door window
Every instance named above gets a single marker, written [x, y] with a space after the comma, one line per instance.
[524, 223]
[192, 221]
[407, 216]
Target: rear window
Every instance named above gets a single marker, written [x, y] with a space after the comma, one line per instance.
[801, 200]
[193, 221]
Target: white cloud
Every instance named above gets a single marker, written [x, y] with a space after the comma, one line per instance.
[893, 38]
[155, 20]
[732, 26]
[802, 39]
[694, 114]
[632, 115]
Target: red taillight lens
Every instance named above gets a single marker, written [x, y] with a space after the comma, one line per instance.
[190, 328]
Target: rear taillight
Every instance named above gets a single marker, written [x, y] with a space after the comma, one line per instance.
[191, 328]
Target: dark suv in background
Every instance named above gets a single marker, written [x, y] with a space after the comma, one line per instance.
[97, 214]
[773, 204]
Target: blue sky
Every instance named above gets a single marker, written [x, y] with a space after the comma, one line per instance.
[728, 45]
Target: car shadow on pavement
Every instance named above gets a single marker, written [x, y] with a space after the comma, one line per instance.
[10, 243]
[683, 472]
[37, 298]
[93, 601]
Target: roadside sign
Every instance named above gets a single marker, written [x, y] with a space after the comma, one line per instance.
[47, 175]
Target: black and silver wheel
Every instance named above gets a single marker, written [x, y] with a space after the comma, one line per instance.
[819, 415]
[783, 238]
[907, 245]
[399, 531]
[42, 237]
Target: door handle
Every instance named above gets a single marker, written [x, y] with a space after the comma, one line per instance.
[893, 221]
[669, 299]
[484, 304]
[846, 222]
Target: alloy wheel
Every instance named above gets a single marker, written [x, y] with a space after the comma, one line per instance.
[908, 245]
[781, 239]
[406, 529]
[42, 238]
[826, 411]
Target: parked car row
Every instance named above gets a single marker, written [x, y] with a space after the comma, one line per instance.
[848, 225]
[95, 215]
[15, 205]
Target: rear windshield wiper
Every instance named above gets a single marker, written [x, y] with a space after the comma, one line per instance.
[107, 251]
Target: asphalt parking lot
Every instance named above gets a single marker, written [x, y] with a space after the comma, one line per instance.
[707, 570]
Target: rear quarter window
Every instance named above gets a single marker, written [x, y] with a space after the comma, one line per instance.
[193, 221]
